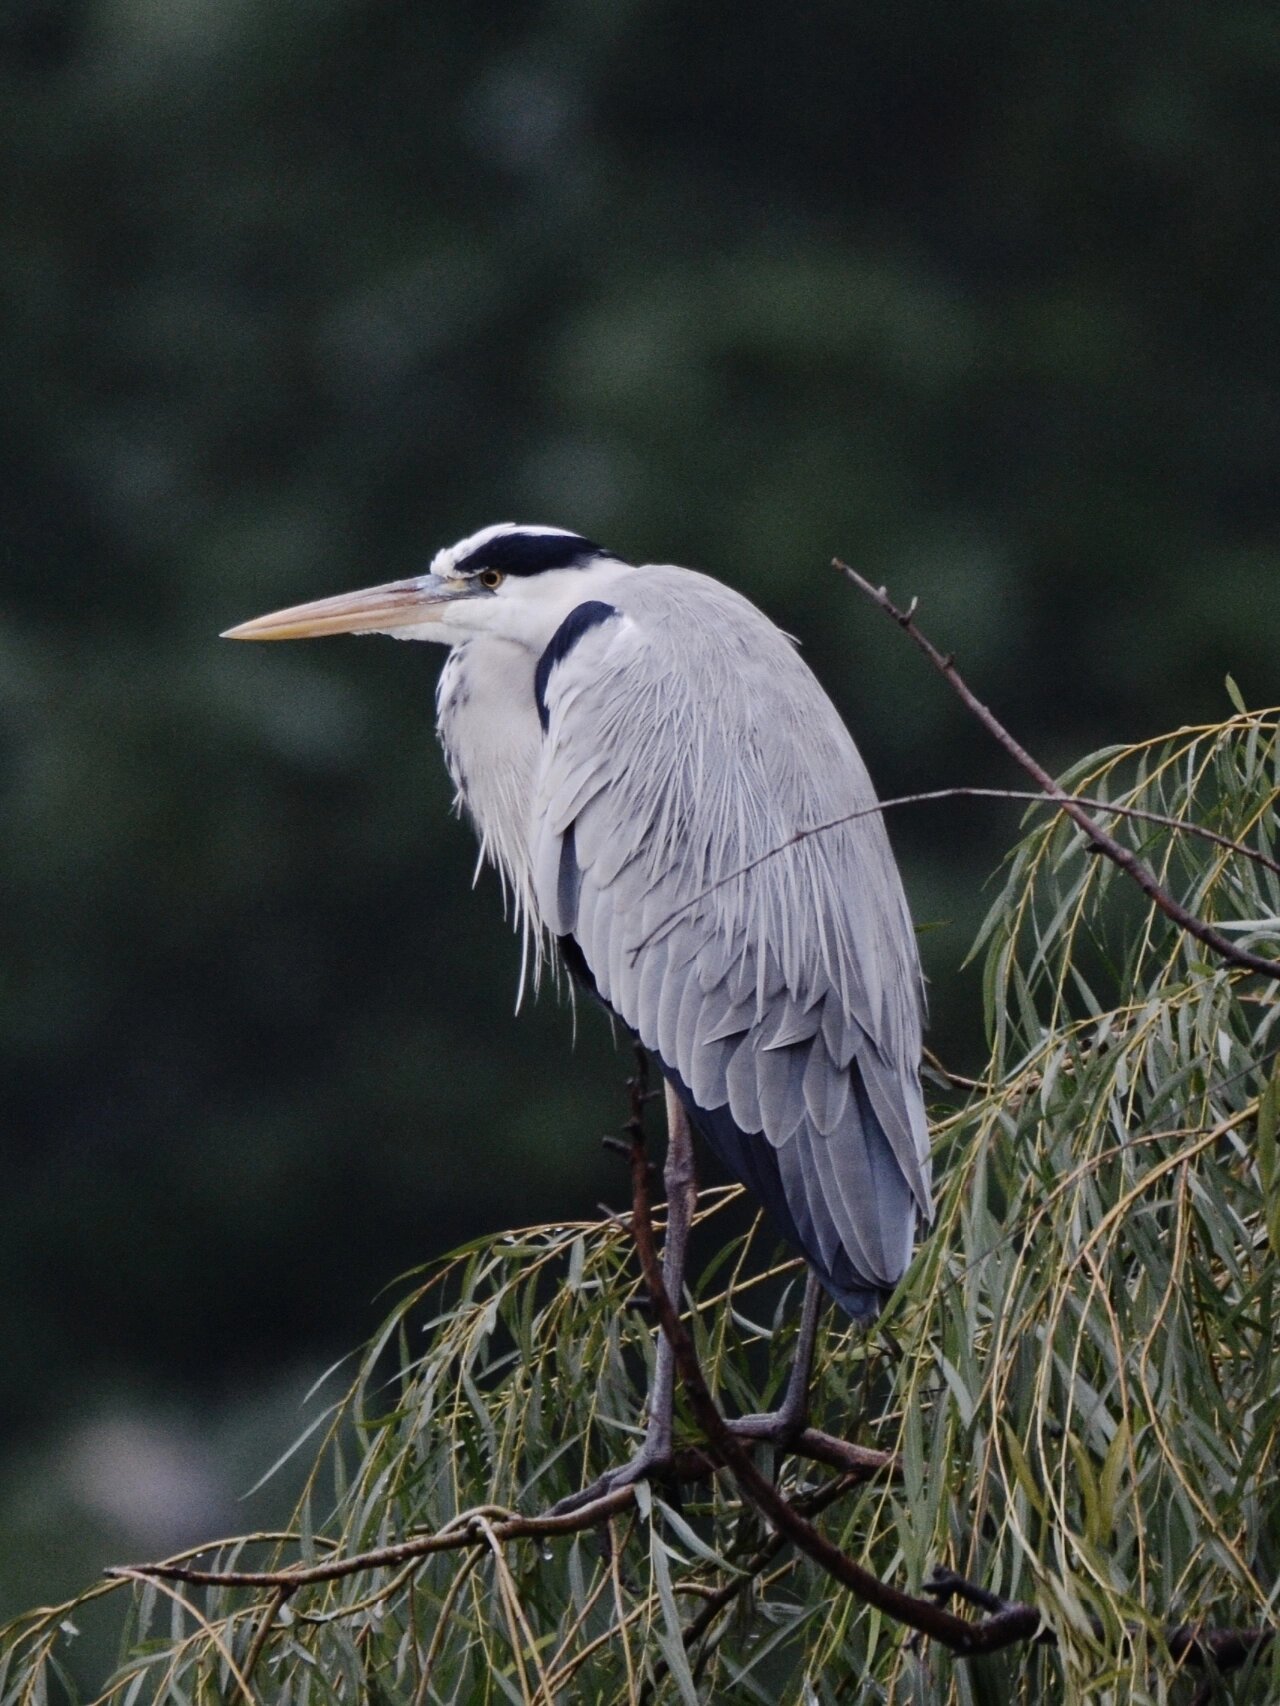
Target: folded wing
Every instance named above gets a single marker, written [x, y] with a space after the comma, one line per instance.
[776, 980]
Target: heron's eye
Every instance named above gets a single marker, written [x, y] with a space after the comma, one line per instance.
[492, 578]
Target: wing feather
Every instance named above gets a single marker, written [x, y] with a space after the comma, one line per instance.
[779, 1074]
[807, 1197]
[826, 1090]
[789, 1023]
[726, 1018]
[683, 746]
[742, 1084]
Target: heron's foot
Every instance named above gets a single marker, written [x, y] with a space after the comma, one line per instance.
[650, 1463]
[782, 1426]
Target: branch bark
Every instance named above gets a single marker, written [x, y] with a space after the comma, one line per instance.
[1106, 844]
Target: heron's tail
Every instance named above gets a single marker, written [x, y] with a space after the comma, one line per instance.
[753, 1160]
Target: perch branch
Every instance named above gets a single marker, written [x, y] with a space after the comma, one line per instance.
[1014, 1623]
[466, 1532]
[1006, 1623]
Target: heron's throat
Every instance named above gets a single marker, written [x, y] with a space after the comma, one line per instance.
[487, 721]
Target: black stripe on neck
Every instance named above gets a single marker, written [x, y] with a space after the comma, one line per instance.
[580, 620]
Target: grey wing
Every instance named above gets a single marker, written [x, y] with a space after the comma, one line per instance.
[784, 1004]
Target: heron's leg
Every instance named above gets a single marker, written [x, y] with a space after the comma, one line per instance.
[681, 1184]
[792, 1415]
[682, 1192]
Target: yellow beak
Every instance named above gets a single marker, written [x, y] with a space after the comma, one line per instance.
[375, 610]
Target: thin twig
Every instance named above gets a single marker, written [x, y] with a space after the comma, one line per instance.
[358, 1607]
[1107, 844]
[718, 1599]
[521, 1635]
[615, 1576]
[1057, 797]
[228, 1657]
[444, 1623]
[270, 1612]
[584, 1612]
[613, 1631]
[956, 1078]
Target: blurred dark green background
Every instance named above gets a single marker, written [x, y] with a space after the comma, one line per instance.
[983, 297]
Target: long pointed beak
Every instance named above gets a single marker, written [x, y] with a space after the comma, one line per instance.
[375, 610]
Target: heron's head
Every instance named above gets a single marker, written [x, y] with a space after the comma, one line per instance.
[514, 582]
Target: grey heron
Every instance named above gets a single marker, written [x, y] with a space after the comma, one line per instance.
[631, 743]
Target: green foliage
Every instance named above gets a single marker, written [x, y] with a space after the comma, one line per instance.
[1080, 1373]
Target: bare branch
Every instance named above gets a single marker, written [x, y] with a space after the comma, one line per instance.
[270, 1612]
[856, 1463]
[1224, 1649]
[465, 1533]
[944, 1071]
[1105, 843]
